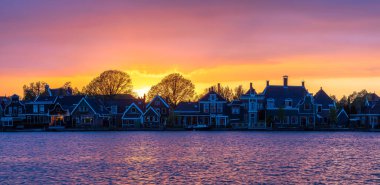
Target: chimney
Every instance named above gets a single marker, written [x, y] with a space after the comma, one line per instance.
[218, 87]
[267, 83]
[303, 83]
[250, 86]
[285, 81]
[47, 89]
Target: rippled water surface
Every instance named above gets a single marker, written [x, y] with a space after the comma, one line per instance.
[190, 158]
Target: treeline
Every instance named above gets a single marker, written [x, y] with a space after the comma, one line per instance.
[174, 88]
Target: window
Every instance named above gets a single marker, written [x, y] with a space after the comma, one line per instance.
[319, 108]
[114, 109]
[212, 97]
[206, 108]
[133, 110]
[311, 120]
[157, 102]
[235, 110]
[10, 110]
[307, 106]
[158, 110]
[42, 108]
[213, 108]
[270, 103]
[220, 108]
[83, 109]
[164, 111]
[20, 110]
[288, 103]
[286, 120]
[35, 108]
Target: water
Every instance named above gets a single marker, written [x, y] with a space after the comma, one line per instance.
[190, 158]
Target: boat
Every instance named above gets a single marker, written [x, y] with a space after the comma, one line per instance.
[198, 127]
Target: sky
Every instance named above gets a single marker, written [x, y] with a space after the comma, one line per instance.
[332, 44]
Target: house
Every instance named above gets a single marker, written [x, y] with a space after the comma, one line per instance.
[90, 112]
[151, 118]
[324, 107]
[60, 112]
[288, 106]
[253, 109]
[37, 111]
[236, 114]
[133, 117]
[210, 110]
[343, 119]
[161, 107]
[14, 113]
[116, 105]
[369, 117]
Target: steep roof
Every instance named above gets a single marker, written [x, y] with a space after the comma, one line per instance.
[161, 99]
[97, 105]
[187, 107]
[45, 99]
[281, 93]
[69, 102]
[122, 101]
[207, 96]
[322, 98]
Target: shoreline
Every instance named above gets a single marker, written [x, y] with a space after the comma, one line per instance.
[184, 130]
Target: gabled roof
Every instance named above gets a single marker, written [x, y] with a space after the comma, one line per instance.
[281, 93]
[151, 109]
[187, 107]
[161, 99]
[97, 106]
[69, 102]
[207, 96]
[134, 105]
[322, 98]
[342, 112]
[45, 100]
[122, 101]
[250, 91]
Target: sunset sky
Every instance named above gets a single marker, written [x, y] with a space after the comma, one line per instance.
[329, 43]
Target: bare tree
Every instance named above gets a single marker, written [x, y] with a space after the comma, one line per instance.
[239, 90]
[174, 88]
[33, 90]
[110, 82]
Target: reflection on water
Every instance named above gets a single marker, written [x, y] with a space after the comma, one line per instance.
[189, 157]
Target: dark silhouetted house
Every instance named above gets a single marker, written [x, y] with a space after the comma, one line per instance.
[37, 111]
[369, 116]
[288, 106]
[343, 119]
[90, 112]
[151, 118]
[14, 113]
[116, 105]
[210, 110]
[133, 117]
[161, 107]
[253, 110]
[60, 112]
[324, 105]
[236, 114]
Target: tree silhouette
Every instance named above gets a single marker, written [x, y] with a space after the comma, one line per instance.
[33, 90]
[174, 88]
[110, 82]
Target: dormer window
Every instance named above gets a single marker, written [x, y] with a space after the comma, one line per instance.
[212, 97]
[270, 103]
[288, 103]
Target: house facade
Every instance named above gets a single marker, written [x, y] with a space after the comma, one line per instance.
[210, 110]
[14, 113]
